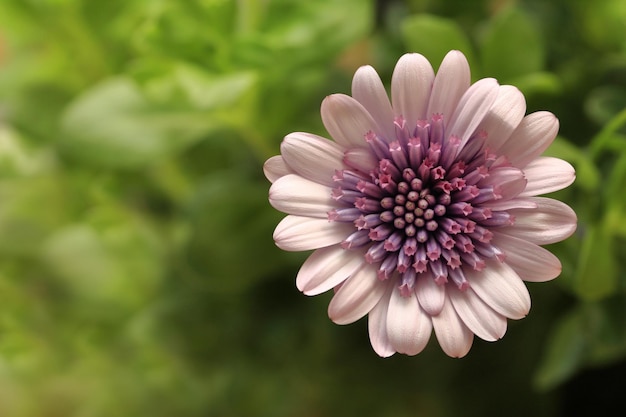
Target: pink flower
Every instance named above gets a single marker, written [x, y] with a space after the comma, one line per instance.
[423, 212]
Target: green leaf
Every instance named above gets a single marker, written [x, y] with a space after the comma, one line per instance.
[564, 352]
[434, 36]
[512, 46]
[596, 272]
[114, 125]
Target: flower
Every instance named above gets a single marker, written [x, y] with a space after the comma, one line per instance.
[424, 211]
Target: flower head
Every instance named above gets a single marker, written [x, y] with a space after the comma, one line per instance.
[423, 211]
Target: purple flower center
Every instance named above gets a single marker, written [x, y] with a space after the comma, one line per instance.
[427, 207]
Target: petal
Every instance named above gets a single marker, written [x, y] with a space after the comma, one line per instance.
[361, 159]
[377, 326]
[501, 289]
[552, 221]
[411, 84]
[472, 108]
[275, 167]
[546, 174]
[312, 156]
[477, 316]
[453, 336]
[533, 136]
[430, 295]
[357, 296]
[510, 180]
[368, 89]
[327, 268]
[296, 233]
[503, 117]
[293, 194]
[513, 203]
[347, 121]
[451, 81]
[530, 262]
[408, 326]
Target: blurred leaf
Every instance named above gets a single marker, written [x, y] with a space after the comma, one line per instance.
[602, 141]
[596, 272]
[114, 125]
[512, 46]
[116, 261]
[607, 322]
[232, 222]
[434, 37]
[564, 352]
[538, 82]
[604, 103]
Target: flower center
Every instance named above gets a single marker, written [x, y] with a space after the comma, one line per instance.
[427, 205]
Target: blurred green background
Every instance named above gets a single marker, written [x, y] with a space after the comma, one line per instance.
[138, 276]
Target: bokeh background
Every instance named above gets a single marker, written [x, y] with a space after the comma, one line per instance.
[138, 276]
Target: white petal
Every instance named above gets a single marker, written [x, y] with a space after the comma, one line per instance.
[546, 174]
[347, 121]
[377, 326]
[510, 180]
[531, 262]
[368, 89]
[275, 167]
[296, 233]
[429, 294]
[293, 194]
[327, 268]
[501, 289]
[408, 326]
[357, 296]
[451, 81]
[361, 159]
[477, 316]
[312, 156]
[472, 108]
[453, 336]
[411, 84]
[533, 136]
[552, 221]
[503, 117]
[513, 203]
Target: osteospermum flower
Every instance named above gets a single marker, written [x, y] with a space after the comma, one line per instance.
[423, 212]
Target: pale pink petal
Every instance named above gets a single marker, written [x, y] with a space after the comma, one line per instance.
[452, 334]
[531, 262]
[361, 159]
[533, 136]
[472, 108]
[525, 203]
[293, 194]
[411, 85]
[429, 294]
[297, 233]
[552, 221]
[313, 157]
[509, 180]
[275, 167]
[503, 117]
[501, 289]
[368, 89]
[357, 296]
[347, 121]
[408, 326]
[327, 268]
[451, 81]
[477, 316]
[546, 174]
[377, 326]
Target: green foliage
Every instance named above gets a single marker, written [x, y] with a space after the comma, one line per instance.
[137, 270]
